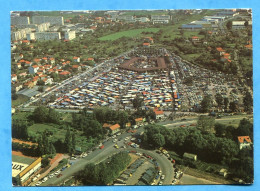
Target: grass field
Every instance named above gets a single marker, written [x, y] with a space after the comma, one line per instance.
[60, 133]
[21, 99]
[128, 33]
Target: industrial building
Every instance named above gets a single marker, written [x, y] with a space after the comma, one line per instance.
[24, 169]
[48, 19]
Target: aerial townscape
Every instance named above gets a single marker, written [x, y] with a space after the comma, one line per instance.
[132, 97]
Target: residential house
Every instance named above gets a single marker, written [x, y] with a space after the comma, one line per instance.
[29, 84]
[220, 50]
[37, 60]
[19, 65]
[33, 69]
[195, 39]
[45, 59]
[14, 77]
[76, 59]
[47, 81]
[64, 73]
[148, 39]
[90, 59]
[17, 86]
[27, 64]
[76, 67]
[52, 60]
[146, 44]
[249, 46]
[226, 55]
[158, 113]
[139, 121]
[244, 142]
[114, 128]
[27, 42]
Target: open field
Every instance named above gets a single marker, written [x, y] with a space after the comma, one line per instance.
[21, 99]
[128, 33]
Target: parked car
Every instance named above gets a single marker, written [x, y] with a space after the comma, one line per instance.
[58, 176]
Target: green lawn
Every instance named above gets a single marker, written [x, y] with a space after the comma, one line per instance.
[233, 120]
[21, 115]
[128, 33]
[190, 57]
[21, 99]
[60, 133]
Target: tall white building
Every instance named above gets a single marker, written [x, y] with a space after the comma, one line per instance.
[69, 35]
[160, 18]
[48, 19]
[20, 34]
[30, 36]
[20, 21]
[47, 36]
[43, 27]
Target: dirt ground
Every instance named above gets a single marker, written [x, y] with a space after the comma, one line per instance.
[214, 179]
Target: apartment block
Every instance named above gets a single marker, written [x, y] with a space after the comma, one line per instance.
[48, 19]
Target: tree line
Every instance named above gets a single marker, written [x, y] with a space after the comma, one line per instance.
[105, 172]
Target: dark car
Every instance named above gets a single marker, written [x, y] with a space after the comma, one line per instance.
[59, 175]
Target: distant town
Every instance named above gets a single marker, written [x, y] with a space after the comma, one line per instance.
[132, 97]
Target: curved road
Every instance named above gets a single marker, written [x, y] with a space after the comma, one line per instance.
[101, 154]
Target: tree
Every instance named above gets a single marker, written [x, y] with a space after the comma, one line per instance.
[229, 25]
[206, 104]
[219, 100]
[45, 162]
[227, 150]
[205, 123]
[68, 141]
[40, 114]
[158, 140]
[20, 129]
[40, 83]
[248, 102]
[40, 89]
[245, 128]
[219, 129]
[226, 102]
[182, 32]
[137, 102]
[233, 106]
[53, 116]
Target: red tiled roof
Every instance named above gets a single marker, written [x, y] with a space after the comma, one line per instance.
[146, 44]
[243, 139]
[220, 49]
[138, 119]
[114, 127]
[158, 112]
[35, 66]
[64, 73]
[75, 57]
[90, 59]
[248, 46]
[105, 125]
[37, 60]
[194, 37]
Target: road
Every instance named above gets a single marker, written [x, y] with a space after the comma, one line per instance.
[99, 155]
